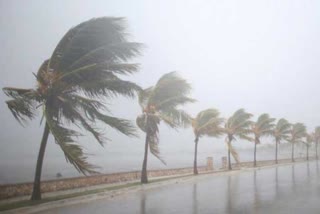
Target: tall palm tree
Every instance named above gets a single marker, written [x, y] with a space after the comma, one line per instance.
[316, 135]
[238, 125]
[281, 132]
[262, 127]
[297, 133]
[160, 103]
[83, 69]
[207, 123]
[308, 141]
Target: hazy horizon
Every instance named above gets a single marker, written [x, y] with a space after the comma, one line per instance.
[257, 55]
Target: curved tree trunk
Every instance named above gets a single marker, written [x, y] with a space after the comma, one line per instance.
[256, 141]
[36, 192]
[277, 142]
[292, 152]
[195, 169]
[144, 173]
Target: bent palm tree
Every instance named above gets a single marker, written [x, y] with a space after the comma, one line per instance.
[281, 132]
[238, 125]
[160, 103]
[316, 135]
[263, 127]
[83, 68]
[297, 132]
[308, 142]
[207, 123]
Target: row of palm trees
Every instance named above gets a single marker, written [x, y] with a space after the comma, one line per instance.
[239, 125]
[85, 70]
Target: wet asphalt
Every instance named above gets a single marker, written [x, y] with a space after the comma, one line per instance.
[288, 189]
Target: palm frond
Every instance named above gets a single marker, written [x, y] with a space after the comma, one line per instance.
[87, 44]
[244, 136]
[121, 125]
[169, 86]
[263, 126]
[110, 52]
[282, 130]
[317, 134]
[173, 102]
[24, 103]
[154, 147]
[309, 138]
[233, 152]
[239, 121]
[298, 131]
[73, 114]
[64, 138]
[109, 88]
[208, 122]
[149, 123]
[175, 118]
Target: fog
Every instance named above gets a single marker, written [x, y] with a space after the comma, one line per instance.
[258, 55]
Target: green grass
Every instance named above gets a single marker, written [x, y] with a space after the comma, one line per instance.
[25, 203]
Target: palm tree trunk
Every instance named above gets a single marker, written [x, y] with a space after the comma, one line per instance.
[317, 150]
[229, 158]
[36, 192]
[195, 168]
[307, 152]
[292, 152]
[255, 152]
[277, 142]
[144, 174]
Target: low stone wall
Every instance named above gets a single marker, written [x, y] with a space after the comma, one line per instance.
[14, 190]
[268, 162]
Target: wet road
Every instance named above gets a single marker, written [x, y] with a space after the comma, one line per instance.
[291, 189]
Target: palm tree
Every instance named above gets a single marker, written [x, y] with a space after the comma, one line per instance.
[316, 135]
[160, 103]
[297, 132]
[238, 125]
[82, 70]
[308, 142]
[207, 123]
[263, 127]
[281, 132]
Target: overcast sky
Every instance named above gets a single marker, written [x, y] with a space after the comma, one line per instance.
[259, 55]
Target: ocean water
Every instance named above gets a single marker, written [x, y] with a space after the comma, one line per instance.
[122, 158]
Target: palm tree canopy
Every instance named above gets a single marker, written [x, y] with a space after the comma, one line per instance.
[264, 126]
[208, 122]
[160, 103]
[298, 131]
[282, 130]
[84, 67]
[309, 139]
[317, 134]
[238, 125]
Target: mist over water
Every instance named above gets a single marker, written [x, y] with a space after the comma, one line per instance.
[114, 161]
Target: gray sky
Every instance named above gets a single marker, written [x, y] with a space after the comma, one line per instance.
[259, 55]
